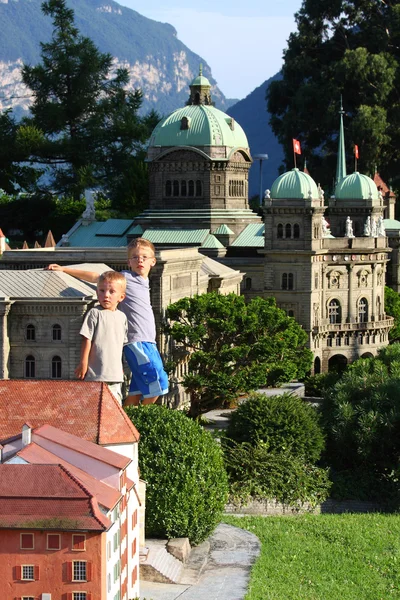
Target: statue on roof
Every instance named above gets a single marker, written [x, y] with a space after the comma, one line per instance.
[374, 229]
[349, 228]
[381, 227]
[89, 212]
[367, 227]
[325, 227]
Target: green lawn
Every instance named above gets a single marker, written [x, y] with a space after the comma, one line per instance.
[325, 557]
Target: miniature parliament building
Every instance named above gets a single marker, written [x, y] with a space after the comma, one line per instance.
[329, 276]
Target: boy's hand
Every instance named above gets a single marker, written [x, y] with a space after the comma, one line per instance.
[81, 370]
[54, 267]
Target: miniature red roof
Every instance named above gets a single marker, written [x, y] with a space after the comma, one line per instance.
[106, 495]
[46, 497]
[87, 409]
[381, 185]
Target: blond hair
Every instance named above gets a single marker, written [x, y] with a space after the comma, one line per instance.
[115, 277]
[140, 243]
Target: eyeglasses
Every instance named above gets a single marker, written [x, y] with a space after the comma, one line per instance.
[138, 258]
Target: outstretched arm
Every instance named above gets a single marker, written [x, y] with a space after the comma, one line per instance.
[90, 276]
[82, 368]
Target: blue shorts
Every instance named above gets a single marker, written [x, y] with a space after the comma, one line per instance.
[148, 376]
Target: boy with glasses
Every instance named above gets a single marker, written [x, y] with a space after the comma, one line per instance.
[149, 380]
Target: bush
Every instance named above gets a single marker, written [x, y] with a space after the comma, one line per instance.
[183, 465]
[283, 423]
[258, 473]
[316, 385]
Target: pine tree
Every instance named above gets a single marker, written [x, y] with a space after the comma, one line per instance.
[93, 134]
[348, 49]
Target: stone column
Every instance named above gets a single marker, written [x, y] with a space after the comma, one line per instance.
[374, 283]
[350, 314]
[5, 306]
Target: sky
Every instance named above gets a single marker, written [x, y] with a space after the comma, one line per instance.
[242, 41]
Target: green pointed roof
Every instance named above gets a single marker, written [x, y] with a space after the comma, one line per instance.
[212, 242]
[341, 157]
[224, 230]
[200, 79]
[356, 187]
[294, 184]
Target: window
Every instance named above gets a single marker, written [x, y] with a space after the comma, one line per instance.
[280, 230]
[80, 596]
[316, 281]
[30, 367]
[79, 570]
[109, 583]
[288, 230]
[30, 333]
[28, 598]
[117, 570]
[117, 596]
[198, 188]
[26, 541]
[184, 123]
[28, 572]
[78, 541]
[183, 188]
[363, 310]
[296, 230]
[108, 550]
[168, 188]
[53, 541]
[56, 367]
[334, 312]
[290, 313]
[191, 187]
[176, 187]
[56, 331]
[115, 541]
[287, 281]
[247, 284]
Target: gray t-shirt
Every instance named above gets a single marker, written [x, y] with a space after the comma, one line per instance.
[107, 330]
[137, 308]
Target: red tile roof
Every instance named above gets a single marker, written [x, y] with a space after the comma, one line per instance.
[381, 185]
[46, 497]
[86, 409]
[105, 494]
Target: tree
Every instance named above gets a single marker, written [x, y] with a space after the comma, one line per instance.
[348, 48]
[235, 347]
[361, 414]
[92, 131]
[392, 308]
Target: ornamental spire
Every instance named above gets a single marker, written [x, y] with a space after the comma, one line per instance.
[341, 157]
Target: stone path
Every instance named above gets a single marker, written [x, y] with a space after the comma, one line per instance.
[232, 552]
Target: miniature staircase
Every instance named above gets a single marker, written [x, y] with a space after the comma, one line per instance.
[159, 565]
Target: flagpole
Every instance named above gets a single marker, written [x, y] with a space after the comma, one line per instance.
[294, 158]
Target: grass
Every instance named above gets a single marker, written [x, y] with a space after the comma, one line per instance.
[325, 557]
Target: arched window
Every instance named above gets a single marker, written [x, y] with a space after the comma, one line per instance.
[284, 281]
[363, 310]
[296, 231]
[334, 312]
[290, 281]
[247, 283]
[168, 188]
[191, 187]
[288, 230]
[280, 230]
[316, 281]
[196, 99]
[56, 333]
[198, 188]
[290, 313]
[30, 366]
[56, 367]
[378, 309]
[183, 188]
[184, 123]
[176, 187]
[30, 332]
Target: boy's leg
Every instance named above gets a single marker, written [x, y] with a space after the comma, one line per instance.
[150, 400]
[132, 400]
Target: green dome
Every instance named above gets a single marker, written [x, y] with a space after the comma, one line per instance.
[294, 184]
[199, 125]
[356, 187]
[201, 80]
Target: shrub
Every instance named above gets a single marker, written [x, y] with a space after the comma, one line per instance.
[186, 480]
[317, 385]
[258, 473]
[283, 423]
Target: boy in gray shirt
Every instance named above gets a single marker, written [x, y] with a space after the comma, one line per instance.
[104, 332]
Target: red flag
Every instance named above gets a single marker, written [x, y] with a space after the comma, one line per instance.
[355, 151]
[296, 147]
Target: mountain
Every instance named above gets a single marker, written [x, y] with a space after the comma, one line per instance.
[158, 63]
[251, 113]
